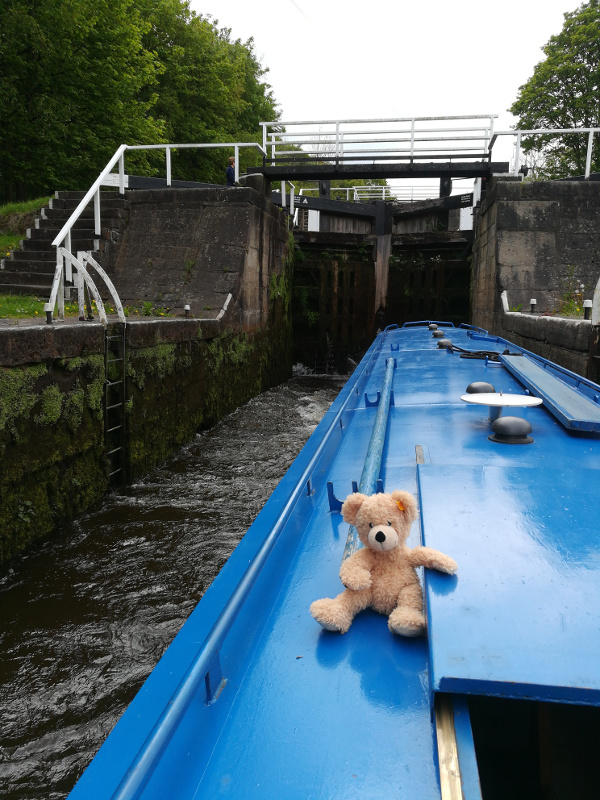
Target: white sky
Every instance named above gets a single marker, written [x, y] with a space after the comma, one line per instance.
[336, 59]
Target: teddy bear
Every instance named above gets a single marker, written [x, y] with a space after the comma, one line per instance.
[382, 575]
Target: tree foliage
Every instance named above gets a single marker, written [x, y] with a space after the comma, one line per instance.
[564, 92]
[80, 77]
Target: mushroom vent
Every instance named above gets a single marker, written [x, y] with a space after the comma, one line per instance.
[444, 343]
[438, 334]
[480, 387]
[433, 327]
[511, 430]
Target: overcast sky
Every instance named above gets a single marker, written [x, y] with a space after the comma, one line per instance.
[336, 59]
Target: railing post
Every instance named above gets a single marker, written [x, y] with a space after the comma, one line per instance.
[68, 271]
[412, 138]
[97, 228]
[292, 200]
[122, 174]
[236, 154]
[264, 127]
[283, 194]
[337, 140]
[517, 154]
[168, 159]
[588, 159]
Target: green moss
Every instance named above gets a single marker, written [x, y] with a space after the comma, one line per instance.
[51, 406]
[17, 396]
[158, 361]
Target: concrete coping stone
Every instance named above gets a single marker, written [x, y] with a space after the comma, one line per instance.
[573, 334]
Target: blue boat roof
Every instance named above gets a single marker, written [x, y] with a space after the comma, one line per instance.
[254, 699]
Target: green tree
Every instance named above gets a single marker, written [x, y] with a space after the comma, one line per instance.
[71, 75]
[80, 77]
[211, 89]
[564, 92]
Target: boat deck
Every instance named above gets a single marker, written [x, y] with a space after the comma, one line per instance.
[253, 699]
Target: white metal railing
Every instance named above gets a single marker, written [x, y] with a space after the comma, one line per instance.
[380, 139]
[66, 261]
[408, 194]
[519, 134]
[292, 192]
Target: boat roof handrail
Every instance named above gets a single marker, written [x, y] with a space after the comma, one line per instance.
[141, 769]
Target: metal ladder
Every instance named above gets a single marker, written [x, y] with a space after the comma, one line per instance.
[114, 402]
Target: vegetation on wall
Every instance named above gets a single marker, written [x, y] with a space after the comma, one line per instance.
[80, 77]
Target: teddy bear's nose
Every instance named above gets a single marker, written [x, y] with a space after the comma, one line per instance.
[380, 537]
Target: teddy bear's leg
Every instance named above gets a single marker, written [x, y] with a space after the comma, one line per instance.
[407, 619]
[337, 614]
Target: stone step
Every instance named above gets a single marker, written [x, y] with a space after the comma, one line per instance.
[47, 233]
[25, 289]
[43, 242]
[27, 278]
[54, 215]
[33, 255]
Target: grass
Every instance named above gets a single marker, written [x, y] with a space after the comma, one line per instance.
[14, 306]
[27, 207]
[9, 239]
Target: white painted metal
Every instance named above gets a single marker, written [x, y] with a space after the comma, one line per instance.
[336, 138]
[86, 259]
[97, 228]
[63, 239]
[545, 132]
[596, 305]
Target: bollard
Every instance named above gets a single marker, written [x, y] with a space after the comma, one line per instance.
[186, 308]
[532, 305]
[587, 309]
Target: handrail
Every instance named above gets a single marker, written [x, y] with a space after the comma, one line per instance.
[64, 235]
[341, 142]
[372, 465]
[146, 760]
[545, 132]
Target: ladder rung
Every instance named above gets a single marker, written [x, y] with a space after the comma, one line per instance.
[116, 428]
[116, 405]
[116, 450]
[115, 472]
[113, 383]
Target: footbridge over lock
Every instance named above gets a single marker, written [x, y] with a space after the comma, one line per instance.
[394, 248]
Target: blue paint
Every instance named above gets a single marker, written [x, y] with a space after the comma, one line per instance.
[297, 712]
[567, 404]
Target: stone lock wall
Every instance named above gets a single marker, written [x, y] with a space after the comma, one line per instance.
[181, 374]
[534, 240]
[538, 240]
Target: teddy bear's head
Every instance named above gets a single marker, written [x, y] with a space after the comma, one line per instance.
[383, 521]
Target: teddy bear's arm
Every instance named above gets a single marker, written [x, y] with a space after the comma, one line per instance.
[432, 559]
[355, 572]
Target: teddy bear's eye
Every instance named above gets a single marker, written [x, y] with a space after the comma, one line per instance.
[389, 524]
[370, 524]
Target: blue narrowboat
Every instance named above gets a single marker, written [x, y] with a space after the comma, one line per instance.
[253, 699]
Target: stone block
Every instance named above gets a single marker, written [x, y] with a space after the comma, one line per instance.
[528, 215]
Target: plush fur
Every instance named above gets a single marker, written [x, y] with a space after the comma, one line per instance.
[382, 575]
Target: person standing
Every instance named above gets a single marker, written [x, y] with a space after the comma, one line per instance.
[231, 172]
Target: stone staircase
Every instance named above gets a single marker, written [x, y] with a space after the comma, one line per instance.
[30, 270]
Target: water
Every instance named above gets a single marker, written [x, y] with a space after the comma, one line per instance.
[85, 615]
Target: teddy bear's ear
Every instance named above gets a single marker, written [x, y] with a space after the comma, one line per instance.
[406, 503]
[351, 506]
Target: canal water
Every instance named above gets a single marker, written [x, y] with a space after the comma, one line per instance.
[86, 614]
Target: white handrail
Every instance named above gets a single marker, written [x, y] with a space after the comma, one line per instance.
[519, 134]
[423, 138]
[64, 253]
